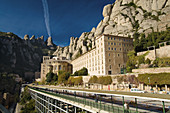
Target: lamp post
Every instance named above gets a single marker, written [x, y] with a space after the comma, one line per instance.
[148, 83]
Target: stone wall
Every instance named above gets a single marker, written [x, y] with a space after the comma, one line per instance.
[160, 52]
[152, 70]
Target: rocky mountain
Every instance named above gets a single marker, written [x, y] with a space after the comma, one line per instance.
[22, 55]
[125, 18]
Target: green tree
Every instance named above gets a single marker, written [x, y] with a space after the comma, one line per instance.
[105, 80]
[63, 77]
[25, 96]
[83, 71]
[93, 79]
[49, 76]
[132, 59]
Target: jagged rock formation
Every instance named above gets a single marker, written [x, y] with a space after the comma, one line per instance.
[125, 18]
[21, 55]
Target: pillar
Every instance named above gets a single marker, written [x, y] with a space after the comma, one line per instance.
[166, 88]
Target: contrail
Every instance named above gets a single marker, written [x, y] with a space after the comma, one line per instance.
[46, 16]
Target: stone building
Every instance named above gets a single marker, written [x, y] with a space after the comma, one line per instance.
[107, 57]
[54, 64]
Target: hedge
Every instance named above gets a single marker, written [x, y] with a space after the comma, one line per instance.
[160, 78]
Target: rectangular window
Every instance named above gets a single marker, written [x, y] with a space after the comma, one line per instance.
[111, 43]
[109, 48]
[115, 49]
[111, 38]
[112, 48]
[108, 43]
[59, 67]
[108, 38]
[114, 43]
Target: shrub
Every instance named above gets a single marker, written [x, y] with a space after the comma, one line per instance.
[105, 80]
[75, 80]
[81, 72]
[147, 61]
[93, 79]
[160, 78]
[63, 77]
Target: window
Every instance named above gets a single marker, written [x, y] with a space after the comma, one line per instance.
[112, 48]
[117, 54]
[108, 38]
[55, 67]
[109, 60]
[110, 67]
[114, 43]
[111, 43]
[109, 72]
[120, 49]
[115, 49]
[109, 48]
[111, 38]
[108, 43]
[109, 54]
[119, 65]
[59, 67]
[114, 38]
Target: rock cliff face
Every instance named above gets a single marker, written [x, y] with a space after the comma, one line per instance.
[125, 18]
[21, 55]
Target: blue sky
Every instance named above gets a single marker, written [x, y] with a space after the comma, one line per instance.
[67, 17]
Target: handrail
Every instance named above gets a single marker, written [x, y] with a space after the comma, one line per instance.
[3, 109]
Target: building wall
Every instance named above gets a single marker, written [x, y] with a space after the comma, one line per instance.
[109, 55]
[116, 49]
[152, 70]
[160, 52]
[54, 65]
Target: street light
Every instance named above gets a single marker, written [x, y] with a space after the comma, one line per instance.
[149, 79]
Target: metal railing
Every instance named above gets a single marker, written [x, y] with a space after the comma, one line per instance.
[87, 102]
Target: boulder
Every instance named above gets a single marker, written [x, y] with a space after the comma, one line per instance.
[108, 29]
[100, 30]
[93, 30]
[106, 19]
[32, 39]
[107, 10]
[84, 49]
[126, 1]
[49, 41]
[26, 37]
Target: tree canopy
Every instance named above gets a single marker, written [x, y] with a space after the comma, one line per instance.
[81, 72]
